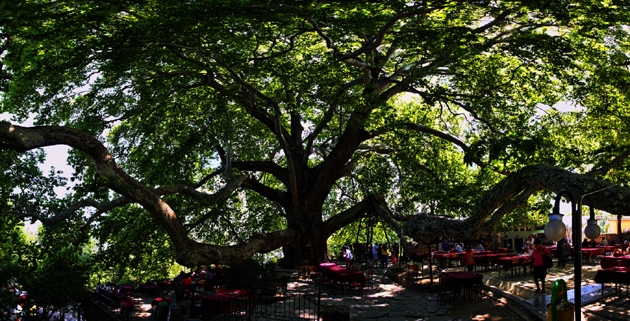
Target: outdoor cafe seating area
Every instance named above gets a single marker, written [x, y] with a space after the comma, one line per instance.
[453, 283]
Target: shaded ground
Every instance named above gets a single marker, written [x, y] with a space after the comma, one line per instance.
[493, 305]
[489, 307]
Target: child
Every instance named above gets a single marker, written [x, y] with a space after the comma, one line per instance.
[469, 260]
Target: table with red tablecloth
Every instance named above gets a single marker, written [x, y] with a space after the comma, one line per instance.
[616, 275]
[442, 257]
[214, 304]
[159, 300]
[126, 288]
[514, 262]
[461, 280]
[486, 259]
[148, 287]
[612, 261]
[591, 252]
[341, 274]
[607, 248]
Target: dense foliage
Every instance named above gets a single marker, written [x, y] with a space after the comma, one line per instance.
[240, 127]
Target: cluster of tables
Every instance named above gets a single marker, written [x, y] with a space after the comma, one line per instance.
[506, 261]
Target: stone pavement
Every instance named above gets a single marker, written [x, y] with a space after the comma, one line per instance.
[388, 301]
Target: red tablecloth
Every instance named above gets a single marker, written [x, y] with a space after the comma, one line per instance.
[341, 274]
[612, 261]
[592, 251]
[462, 279]
[214, 304]
[157, 301]
[126, 288]
[147, 288]
[511, 262]
[441, 256]
[617, 275]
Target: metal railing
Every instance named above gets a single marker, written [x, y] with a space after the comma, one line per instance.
[291, 305]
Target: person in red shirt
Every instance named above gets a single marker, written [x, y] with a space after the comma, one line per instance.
[469, 259]
[540, 271]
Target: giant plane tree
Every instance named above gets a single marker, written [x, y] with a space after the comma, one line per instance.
[241, 127]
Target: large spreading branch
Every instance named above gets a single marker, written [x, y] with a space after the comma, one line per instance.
[514, 190]
[188, 251]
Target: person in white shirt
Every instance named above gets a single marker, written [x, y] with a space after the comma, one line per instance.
[458, 248]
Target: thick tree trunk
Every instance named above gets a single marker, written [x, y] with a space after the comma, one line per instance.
[310, 246]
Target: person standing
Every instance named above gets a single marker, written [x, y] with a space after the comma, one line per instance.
[530, 245]
[560, 252]
[395, 252]
[375, 255]
[540, 270]
[469, 259]
[384, 253]
[348, 255]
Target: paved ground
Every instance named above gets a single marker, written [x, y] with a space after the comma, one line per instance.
[394, 298]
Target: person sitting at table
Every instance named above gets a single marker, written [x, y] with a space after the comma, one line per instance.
[187, 284]
[604, 241]
[480, 247]
[445, 247]
[540, 271]
[469, 259]
[458, 248]
[586, 243]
